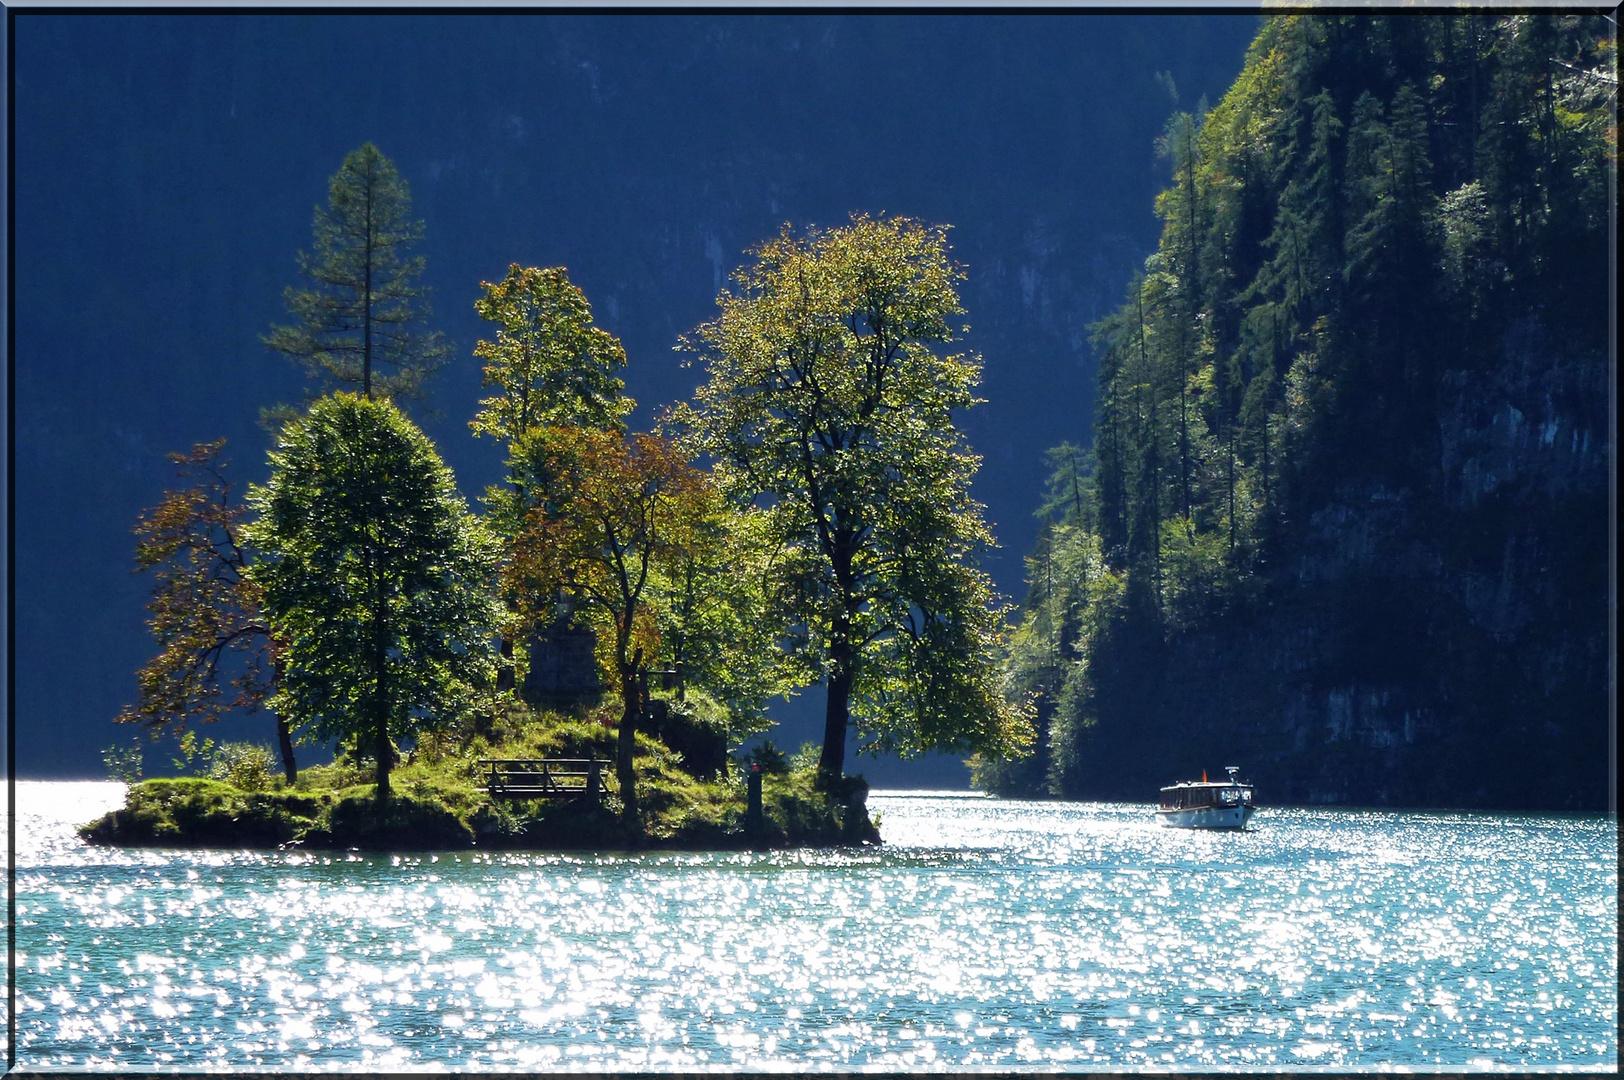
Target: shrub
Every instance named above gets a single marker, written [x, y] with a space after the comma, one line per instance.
[243, 765]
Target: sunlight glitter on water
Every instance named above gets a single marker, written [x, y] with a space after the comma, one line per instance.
[985, 934]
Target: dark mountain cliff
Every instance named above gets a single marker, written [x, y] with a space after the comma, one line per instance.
[1345, 520]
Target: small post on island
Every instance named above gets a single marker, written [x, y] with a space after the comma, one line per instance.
[752, 810]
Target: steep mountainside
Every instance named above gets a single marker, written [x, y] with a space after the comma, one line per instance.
[1345, 519]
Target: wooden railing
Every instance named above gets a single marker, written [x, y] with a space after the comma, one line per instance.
[544, 778]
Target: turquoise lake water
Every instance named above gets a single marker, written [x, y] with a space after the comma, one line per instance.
[985, 934]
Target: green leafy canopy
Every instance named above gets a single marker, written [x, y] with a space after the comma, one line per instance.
[828, 396]
[374, 576]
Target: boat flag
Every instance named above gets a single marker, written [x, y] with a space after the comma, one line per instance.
[1203, 776]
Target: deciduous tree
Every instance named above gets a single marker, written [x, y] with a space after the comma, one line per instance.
[205, 610]
[374, 576]
[829, 402]
[610, 514]
[550, 365]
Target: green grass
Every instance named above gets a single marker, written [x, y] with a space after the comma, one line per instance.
[439, 802]
[190, 812]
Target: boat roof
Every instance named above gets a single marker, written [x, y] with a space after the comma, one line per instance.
[1207, 783]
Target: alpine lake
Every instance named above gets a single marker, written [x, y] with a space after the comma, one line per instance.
[984, 934]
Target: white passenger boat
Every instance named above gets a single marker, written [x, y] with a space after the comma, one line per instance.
[1221, 804]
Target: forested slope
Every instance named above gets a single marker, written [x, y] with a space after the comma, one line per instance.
[1345, 517]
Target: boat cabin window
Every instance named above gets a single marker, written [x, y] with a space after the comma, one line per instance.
[1201, 796]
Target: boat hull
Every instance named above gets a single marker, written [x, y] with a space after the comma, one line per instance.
[1207, 817]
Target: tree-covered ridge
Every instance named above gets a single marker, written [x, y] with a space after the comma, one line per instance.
[1345, 514]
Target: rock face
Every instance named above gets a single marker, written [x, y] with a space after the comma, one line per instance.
[1536, 424]
[1441, 646]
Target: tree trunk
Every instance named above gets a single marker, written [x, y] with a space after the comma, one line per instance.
[626, 743]
[380, 662]
[1265, 460]
[504, 674]
[384, 751]
[366, 300]
[285, 738]
[506, 677]
[837, 715]
[1232, 494]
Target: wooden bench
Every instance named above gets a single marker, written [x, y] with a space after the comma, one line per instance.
[544, 778]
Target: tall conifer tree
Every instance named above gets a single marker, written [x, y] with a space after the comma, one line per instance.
[359, 321]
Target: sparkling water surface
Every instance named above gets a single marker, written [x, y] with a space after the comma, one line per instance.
[984, 934]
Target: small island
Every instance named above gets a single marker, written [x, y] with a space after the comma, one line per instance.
[626, 601]
[441, 800]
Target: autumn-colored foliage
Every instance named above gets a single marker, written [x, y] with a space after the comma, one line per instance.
[610, 513]
[215, 652]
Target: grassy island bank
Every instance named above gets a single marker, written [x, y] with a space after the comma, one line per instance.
[439, 801]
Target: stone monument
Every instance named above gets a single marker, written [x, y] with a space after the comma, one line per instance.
[563, 669]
